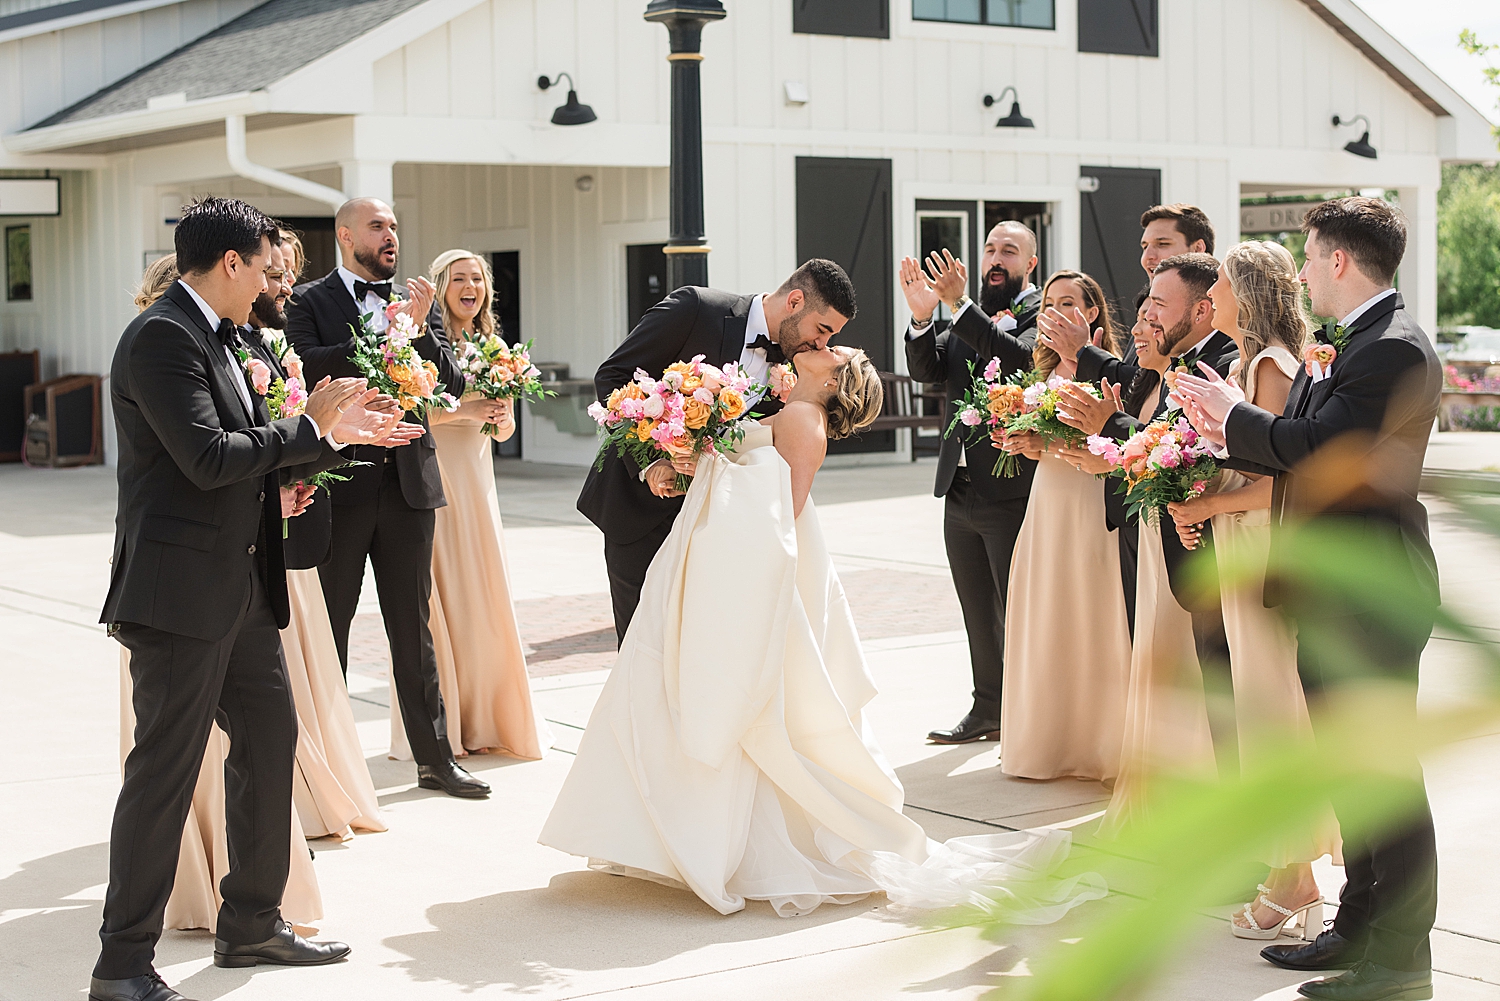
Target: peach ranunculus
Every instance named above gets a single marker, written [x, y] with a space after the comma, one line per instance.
[731, 404]
[613, 403]
[690, 383]
[632, 391]
[681, 367]
[260, 375]
[681, 447]
[695, 413]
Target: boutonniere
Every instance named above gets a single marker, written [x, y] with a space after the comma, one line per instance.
[783, 380]
[259, 373]
[1337, 335]
[1318, 359]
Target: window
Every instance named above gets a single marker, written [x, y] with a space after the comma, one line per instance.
[862, 18]
[1121, 27]
[1008, 13]
[18, 263]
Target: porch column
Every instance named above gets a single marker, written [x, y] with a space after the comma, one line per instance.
[1418, 276]
[369, 179]
[687, 248]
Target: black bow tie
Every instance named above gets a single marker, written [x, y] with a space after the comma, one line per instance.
[771, 348]
[228, 333]
[362, 289]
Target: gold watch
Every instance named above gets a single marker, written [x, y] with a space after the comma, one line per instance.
[958, 304]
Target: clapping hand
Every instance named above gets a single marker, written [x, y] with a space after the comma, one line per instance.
[1211, 430]
[920, 297]
[1066, 334]
[419, 296]
[1214, 396]
[330, 398]
[1080, 409]
[367, 419]
[948, 277]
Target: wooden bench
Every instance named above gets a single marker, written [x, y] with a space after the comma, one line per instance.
[903, 409]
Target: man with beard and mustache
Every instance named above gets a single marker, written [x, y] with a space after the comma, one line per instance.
[635, 507]
[982, 514]
[385, 510]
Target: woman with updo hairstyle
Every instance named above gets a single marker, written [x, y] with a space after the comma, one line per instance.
[1067, 637]
[1258, 302]
[481, 665]
[155, 280]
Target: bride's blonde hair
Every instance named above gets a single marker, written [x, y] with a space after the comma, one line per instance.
[1263, 278]
[857, 399]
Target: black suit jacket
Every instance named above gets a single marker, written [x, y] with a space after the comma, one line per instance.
[945, 357]
[1380, 401]
[198, 510]
[1096, 363]
[691, 321]
[320, 324]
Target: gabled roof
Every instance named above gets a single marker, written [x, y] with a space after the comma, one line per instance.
[254, 50]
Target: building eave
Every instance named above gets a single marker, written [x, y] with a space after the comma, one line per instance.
[135, 124]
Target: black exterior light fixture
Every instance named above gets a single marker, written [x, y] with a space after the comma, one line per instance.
[571, 112]
[1360, 146]
[1014, 120]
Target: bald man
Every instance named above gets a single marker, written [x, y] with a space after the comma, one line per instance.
[384, 512]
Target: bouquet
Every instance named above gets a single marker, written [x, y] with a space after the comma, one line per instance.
[1163, 463]
[693, 409]
[783, 379]
[497, 371]
[1023, 403]
[390, 363]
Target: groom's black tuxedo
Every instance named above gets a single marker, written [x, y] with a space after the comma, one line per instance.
[691, 321]
[982, 513]
[197, 594]
[1373, 413]
[384, 512]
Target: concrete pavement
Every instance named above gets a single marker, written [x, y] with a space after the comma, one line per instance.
[458, 899]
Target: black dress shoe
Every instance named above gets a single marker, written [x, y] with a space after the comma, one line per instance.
[1368, 981]
[969, 729]
[452, 780]
[285, 948]
[146, 988]
[1329, 951]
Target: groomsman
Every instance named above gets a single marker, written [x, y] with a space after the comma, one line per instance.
[635, 507]
[1166, 231]
[197, 594]
[982, 514]
[1182, 314]
[384, 512]
[1347, 453]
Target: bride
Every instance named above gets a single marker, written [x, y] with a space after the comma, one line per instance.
[728, 752]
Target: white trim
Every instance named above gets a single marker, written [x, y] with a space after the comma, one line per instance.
[83, 17]
[134, 123]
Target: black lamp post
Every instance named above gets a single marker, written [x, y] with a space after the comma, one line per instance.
[687, 247]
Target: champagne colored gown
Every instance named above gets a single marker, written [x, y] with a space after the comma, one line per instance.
[1166, 716]
[729, 752]
[1067, 639]
[480, 662]
[1269, 703]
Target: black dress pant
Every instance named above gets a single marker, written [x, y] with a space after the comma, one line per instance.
[181, 685]
[1389, 899]
[627, 564]
[397, 538]
[1128, 537]
[980, 536]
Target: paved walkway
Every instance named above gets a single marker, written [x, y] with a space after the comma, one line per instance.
[458, 899]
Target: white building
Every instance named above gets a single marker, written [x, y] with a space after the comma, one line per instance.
[836, 143]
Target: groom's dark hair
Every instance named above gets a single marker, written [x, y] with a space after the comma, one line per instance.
[1370, 230]
[209, 228]
[826, 286]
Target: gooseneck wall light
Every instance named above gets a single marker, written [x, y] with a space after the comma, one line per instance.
[571, 112]
[1014, 120]
[1360, 146]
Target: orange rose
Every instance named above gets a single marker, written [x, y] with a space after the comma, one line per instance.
[631, 391]
[680, 366]
[695, 413]
[731, 404]
[613, 403]
[690, 383]
[681, 447]
[644, 428]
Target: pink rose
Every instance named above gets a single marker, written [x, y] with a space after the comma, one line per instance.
[260, 375]
[292, 362]
[971, 417]
[1199, 486]
[391, 309]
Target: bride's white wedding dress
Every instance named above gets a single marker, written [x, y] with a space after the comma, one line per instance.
[729, 753]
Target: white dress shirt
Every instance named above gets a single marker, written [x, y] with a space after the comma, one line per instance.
[242, 383]
[371, 303]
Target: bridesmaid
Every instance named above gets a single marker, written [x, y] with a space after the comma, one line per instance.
[332, 788]
[1258, 303]
[1067, 641]
[203, 859]
[481, 666]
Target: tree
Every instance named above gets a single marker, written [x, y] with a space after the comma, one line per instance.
[1469, 246]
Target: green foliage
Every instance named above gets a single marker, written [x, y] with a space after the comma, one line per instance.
[1469, 245]
[1470, 43]
[1476, 419]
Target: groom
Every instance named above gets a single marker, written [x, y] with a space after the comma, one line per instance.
[1347, 454]
[635, 507]
[197, 594]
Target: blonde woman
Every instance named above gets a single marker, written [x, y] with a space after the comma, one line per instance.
[1258, 303]
[480, 663]
[203, 859]
[1067, 639]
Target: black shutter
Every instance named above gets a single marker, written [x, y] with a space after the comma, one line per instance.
[1112, 230]
[865, 18]
[844, 215]
[1122, 27]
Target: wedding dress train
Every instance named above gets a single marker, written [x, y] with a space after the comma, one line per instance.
[729, 752]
